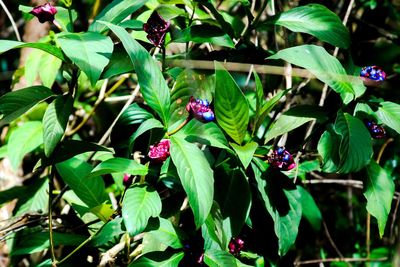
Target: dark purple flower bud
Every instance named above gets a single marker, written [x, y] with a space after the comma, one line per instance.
[44, 12]
[200, 109]
[156, 28]
[372, 75]
[235, 246]
[160, 151]
[127, 180]
[376, 131]
[282, 159]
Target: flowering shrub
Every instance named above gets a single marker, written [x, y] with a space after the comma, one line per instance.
[201, 133]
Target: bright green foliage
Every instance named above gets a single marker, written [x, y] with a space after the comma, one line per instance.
[118, 165]
[231, 107]
[196, 177]
[140, 203]
[379, 191]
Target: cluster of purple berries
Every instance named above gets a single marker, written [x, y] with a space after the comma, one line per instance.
[160, 152]
[156, 28]
[376, 131]
[374, 73]
[235, 246]
[282, 159]
[200, 109]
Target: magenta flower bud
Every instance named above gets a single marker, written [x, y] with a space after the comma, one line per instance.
[156, 28]
[160, 151]
[282, 159]
[235, 246]
[127, 180]
[200, 109]
[44, 12]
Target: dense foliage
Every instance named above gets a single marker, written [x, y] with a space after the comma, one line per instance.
[200, 133]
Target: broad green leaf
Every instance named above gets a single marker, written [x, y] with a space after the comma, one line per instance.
[35, 199]
[328, 148]
[67, 149]
[15, 104]
[93, 54]
[23, 140]
[389, 114]
[92, 190]
[245, 152]
[219, 258]
[259, 93]
[103, 211]
[112, 230]
[190, 83]
[158, 259]
[286, 225]
[310, 209]
[6, 45]
[55, 121]
[205, 133]
[120, 63]
[234, 196]
[140, 203]
[231, 107]
[205, 34]
[355, 149]
[218, 17]
[196, 177]
[50, 66]
[13, 193]
[324, 66]
[115, 12]
[379, 191]
[316, 20]
[166, 234]
[152, 83]
[267, 107]
[123, 165]
[144, 127]
[35, 242]
[63, 19]
[136, 25]
[293, 119]
[213, 230]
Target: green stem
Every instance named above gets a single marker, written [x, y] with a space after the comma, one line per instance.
[70, 18]
[50, 215]
[180, 126]
[163, 58]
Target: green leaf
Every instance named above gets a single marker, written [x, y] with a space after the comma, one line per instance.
[234, 196]
[158, 259]
[259, 93]
[166, 234]
[310, 209]
[389, 114]
[205, 133]
[316, 20]
[112, 230]
[49, 67]
[119, 63]
[219, 258]
[115, 12]
[55, 121]
[122, 165]
[6, 45]
[196, 177]
[35, 242]
[94, 53]
[205, 34]
[246, 152]
[13, 193]
[144, 127]
[92, 190]
[23, 140]
[328, 148]
[140, 203]
[282, 201]
[213, 230]
[324, 66]
[153, 86]
[63, 19]
[16, 103]
[293, 119]
[355, 149]
[35, 199]
[67, 149]
[379, 192]
[231, 107]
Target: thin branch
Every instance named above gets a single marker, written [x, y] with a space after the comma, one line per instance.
[50, 215]
[328, 235]
[13, 24]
